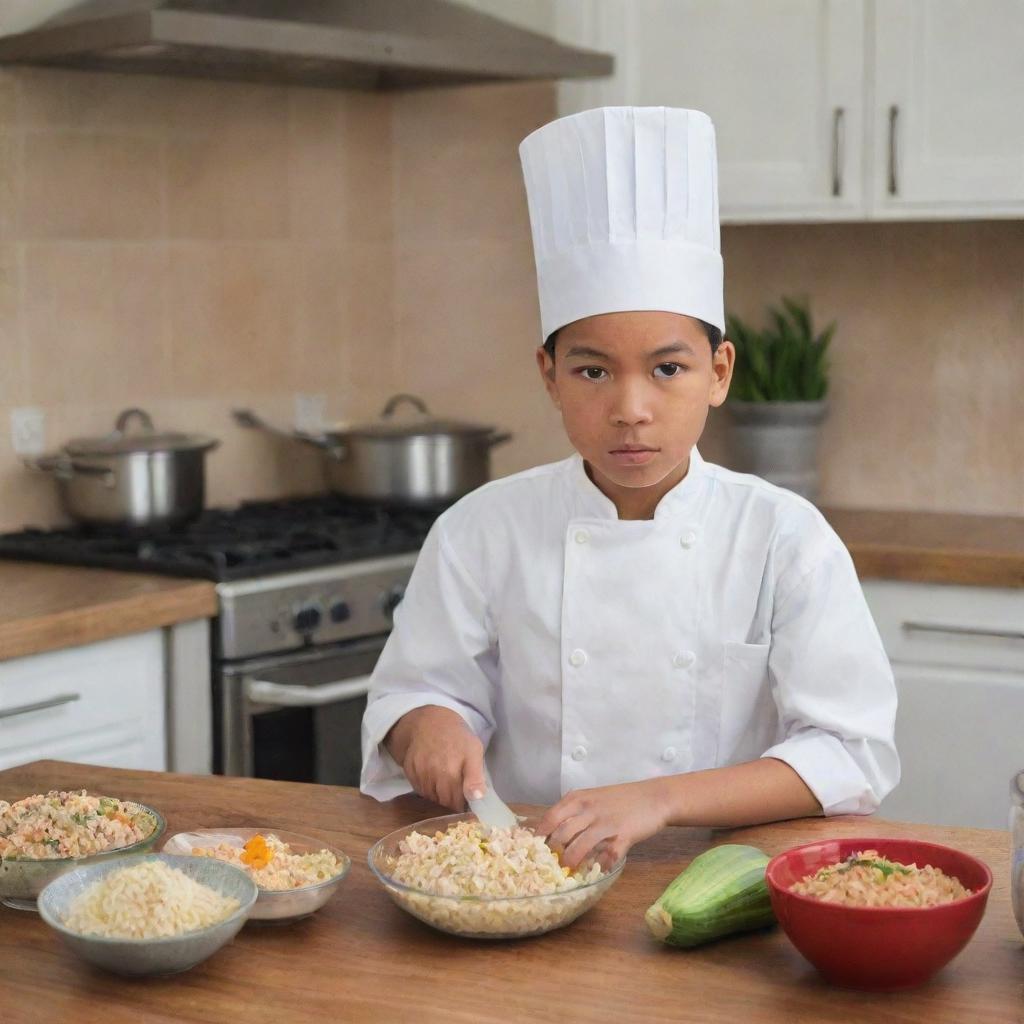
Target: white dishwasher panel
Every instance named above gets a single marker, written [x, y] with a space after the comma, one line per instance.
[959, 735]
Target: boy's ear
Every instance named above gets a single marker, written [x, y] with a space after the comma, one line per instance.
[723, 361]
[546, 365]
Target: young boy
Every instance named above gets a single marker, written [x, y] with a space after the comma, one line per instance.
[633, 635]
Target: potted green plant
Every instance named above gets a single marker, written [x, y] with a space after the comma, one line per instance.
[778, 396]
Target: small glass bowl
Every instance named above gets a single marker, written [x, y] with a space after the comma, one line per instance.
[281, 906]
[485, 917]
[23, 879]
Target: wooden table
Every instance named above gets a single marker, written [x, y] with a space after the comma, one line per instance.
[363, 959]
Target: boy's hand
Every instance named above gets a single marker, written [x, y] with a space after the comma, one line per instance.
[611, 818]
[440, 755]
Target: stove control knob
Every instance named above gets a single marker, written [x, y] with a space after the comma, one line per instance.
[392, 599]
[340, 610]
[306, 617]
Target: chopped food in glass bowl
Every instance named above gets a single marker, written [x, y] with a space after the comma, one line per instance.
[466, 879]
[295, 875]
[46, 834]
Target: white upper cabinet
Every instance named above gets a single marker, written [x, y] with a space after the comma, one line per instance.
[828, 109]
[783, 83]
[948, 108]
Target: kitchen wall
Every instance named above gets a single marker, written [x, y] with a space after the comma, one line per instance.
[191, 246]
[928, 359]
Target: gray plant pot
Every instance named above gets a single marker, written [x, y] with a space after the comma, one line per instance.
[779, 441]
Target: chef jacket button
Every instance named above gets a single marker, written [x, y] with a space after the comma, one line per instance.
[578, 658]
[582, 536]
[668, 754]
[688, 539]
[579, 753]
[684, 659]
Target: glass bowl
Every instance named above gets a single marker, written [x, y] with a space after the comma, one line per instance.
[278, 905]
[23, 879]
[484, 917]
[148, 957]
[1017, 847]
[877, 948]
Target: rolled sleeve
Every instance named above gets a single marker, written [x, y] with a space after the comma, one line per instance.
[834, 690]
[441, 652]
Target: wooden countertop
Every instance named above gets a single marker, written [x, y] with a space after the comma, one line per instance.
[363, 959]
[933, 547]
[47, 607]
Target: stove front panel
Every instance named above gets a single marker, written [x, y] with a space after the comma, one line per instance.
[323, 606]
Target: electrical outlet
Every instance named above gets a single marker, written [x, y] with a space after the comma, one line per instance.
[28, 430]
[310, 413]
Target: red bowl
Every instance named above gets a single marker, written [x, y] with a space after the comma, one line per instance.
[877, 948]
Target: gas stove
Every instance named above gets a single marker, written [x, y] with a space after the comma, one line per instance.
[254, 540]
[306, 591]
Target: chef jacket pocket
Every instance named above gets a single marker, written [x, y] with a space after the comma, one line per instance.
[749, 719]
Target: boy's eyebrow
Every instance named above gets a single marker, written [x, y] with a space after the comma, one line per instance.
[585, 352]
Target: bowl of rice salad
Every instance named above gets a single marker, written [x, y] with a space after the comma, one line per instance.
[46, 834]
[295, 875]
[149, 915]
[463, 878]
[879, 914]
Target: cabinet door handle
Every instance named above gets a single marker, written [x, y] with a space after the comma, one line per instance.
[53, 702]
[894, 113]
[925, 629]
[837, 150]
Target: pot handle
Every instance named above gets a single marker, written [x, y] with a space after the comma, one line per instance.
[128, 415]
[64, 468]
[395, 401]
[247, 418]
[495, 439]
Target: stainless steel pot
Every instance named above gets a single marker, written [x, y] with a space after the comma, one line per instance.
[418, 461]
[140, 479]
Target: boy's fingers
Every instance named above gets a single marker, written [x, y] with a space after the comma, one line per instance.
[566, 808]
[474, 785]
[582, 846]
[562, 836]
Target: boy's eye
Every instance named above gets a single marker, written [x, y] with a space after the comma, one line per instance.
[593, 373]
[665, 370]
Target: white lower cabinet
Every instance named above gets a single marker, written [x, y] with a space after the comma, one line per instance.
[958, 658]
[102, 703]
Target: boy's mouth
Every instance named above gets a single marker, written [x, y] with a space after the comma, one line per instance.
[633, 454]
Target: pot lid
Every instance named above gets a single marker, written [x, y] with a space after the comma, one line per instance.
[418, 424]
[120, 442]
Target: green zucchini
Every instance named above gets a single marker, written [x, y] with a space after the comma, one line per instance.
[721, 892]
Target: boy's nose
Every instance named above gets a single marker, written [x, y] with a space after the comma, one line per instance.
[631, 406]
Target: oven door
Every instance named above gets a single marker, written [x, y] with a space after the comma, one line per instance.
[298, 717]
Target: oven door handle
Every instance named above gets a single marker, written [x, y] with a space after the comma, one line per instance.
[260, 691]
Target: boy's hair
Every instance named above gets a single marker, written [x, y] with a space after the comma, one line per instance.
[713, 333]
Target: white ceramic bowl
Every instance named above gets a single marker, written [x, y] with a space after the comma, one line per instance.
[144, 957]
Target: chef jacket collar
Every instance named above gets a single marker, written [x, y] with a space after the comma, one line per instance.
[592, 502]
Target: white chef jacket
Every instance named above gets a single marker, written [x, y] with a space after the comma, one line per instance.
[585, 650]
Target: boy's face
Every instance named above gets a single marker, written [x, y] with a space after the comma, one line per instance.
[634, 391]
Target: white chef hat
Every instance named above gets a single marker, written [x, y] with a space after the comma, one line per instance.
[624, 214]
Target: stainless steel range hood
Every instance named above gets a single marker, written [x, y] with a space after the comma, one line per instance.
[364, 44]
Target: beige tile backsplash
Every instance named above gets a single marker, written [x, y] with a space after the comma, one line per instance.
[194, 246]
